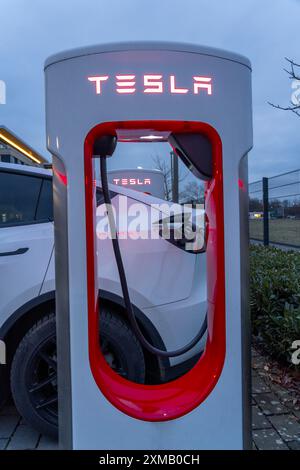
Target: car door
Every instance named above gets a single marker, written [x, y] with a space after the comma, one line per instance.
[158, 272]
[26, 236]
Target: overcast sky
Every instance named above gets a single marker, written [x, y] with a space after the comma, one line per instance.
[265, 31]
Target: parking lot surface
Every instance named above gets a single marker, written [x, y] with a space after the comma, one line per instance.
[275, 418]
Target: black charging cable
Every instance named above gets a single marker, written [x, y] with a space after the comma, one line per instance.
[130, 313]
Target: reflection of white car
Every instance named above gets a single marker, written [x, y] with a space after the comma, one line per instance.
[167, 287]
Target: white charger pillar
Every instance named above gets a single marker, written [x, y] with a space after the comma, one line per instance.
[171, 88]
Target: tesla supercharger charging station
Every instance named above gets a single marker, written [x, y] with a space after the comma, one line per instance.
[158, 89]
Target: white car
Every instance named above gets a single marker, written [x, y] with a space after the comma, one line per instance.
[167, 286]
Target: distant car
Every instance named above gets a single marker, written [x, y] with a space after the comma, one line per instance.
[167, 287]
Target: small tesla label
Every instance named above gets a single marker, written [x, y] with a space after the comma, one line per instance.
[132, 181]
[152, 83]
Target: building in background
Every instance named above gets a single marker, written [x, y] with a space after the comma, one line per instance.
[15, 150]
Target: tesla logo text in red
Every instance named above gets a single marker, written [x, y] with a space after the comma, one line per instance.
[131, 181]
[128, 84]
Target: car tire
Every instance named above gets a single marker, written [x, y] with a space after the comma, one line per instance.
[33, 370]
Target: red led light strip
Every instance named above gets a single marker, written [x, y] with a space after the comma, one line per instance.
[152, 83]
[174, 399]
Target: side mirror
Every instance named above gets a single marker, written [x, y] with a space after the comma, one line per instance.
[195, 151]
[187, 231]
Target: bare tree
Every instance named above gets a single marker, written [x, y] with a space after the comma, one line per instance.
[163, 164]
[293, 74]
[255, 205]
[193, 192]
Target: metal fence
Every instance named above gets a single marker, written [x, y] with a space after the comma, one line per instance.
[274, 209]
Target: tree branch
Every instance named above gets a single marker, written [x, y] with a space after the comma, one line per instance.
[291, 73]
[293, 76]
[294, 109]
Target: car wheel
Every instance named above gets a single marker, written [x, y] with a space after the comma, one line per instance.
[34, 367]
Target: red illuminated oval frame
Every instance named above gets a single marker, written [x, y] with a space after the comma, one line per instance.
[174, 399]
